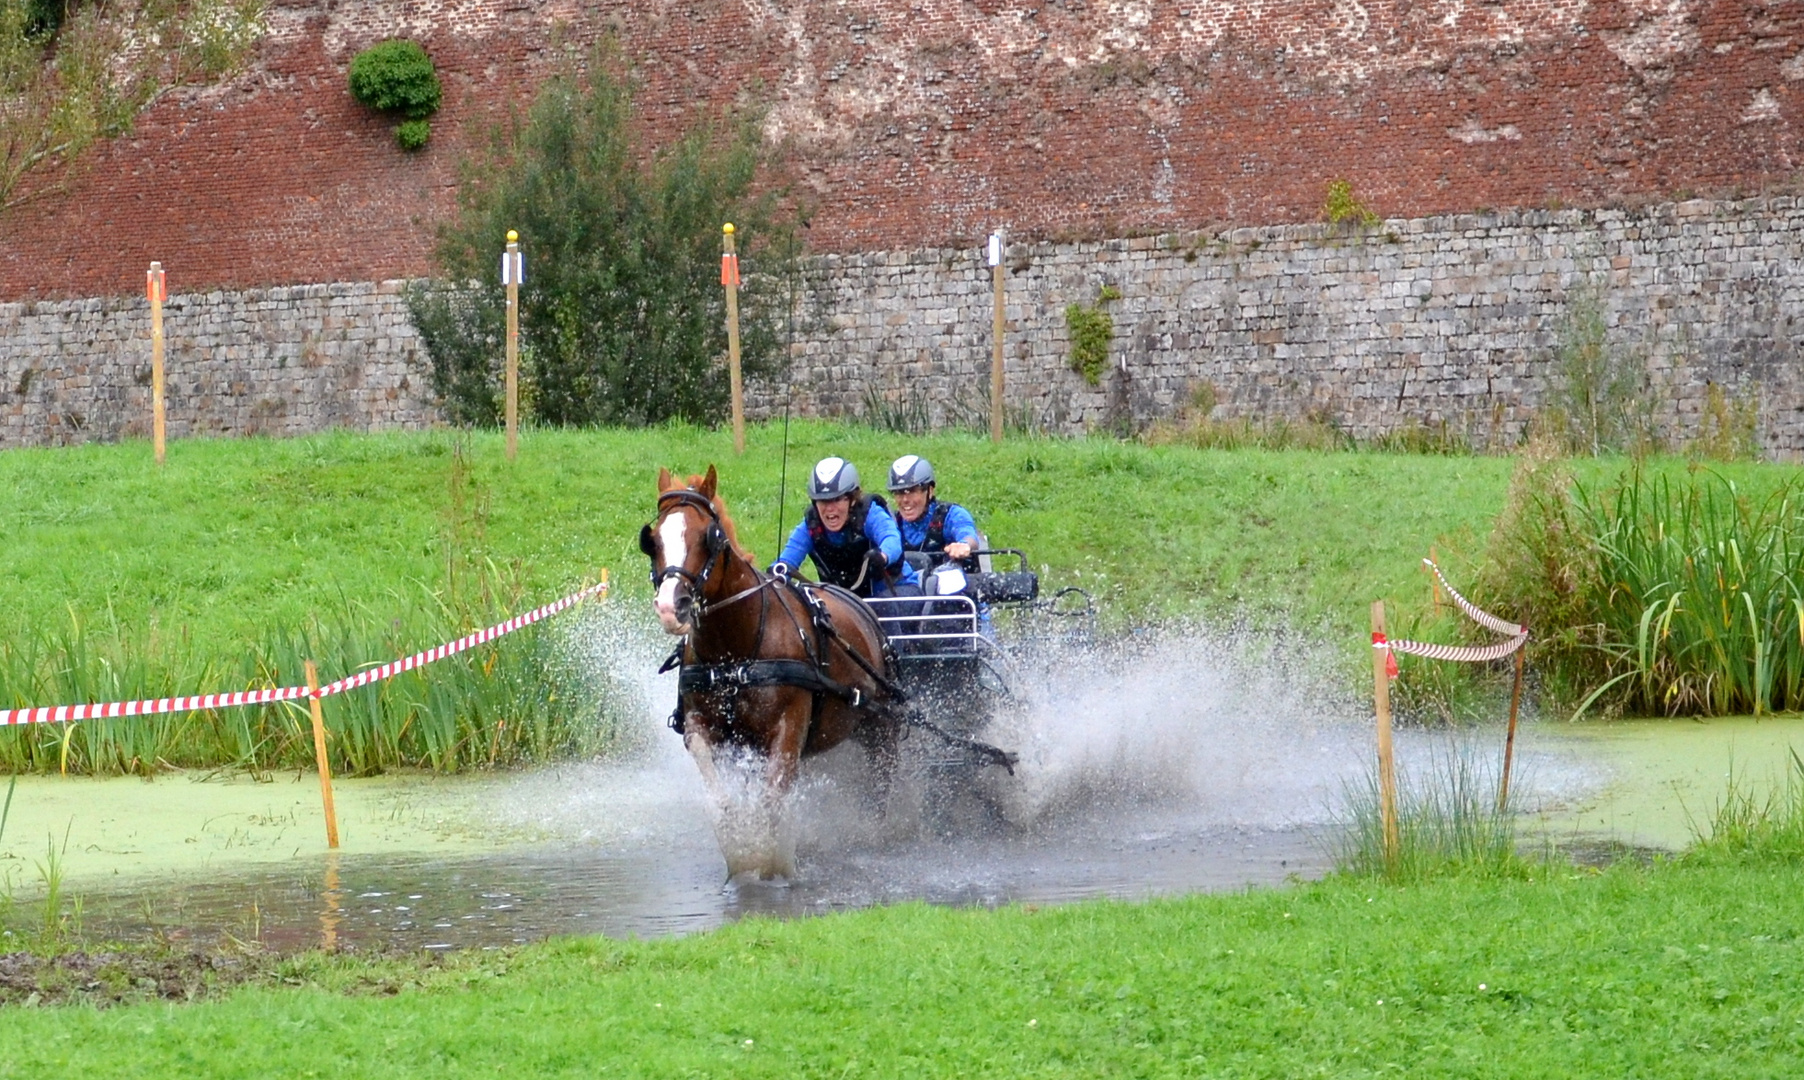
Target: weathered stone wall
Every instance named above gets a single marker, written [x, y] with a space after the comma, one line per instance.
[1454, 321]
[284, 361]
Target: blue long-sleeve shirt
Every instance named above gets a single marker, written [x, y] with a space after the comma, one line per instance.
[879, 526]
[961, 527]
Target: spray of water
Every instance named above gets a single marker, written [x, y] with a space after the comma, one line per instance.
[1188, 727]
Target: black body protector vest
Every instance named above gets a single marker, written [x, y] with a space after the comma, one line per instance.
[839, 564]
[935, 541]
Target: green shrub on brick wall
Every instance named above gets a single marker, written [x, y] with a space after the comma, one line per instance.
[397, 77]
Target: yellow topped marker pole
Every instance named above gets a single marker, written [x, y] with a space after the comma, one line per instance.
[157, 291]
[513, 271]
[729, 277]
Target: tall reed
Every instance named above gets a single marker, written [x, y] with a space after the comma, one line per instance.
[517, 699]
[1448, 822]
[1698, 592]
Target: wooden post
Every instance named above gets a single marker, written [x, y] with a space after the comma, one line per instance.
[156, 289]
[319, 756]
[511, 267]
[729, 277]
[330, 897]
[1387, 769]
[1509, 740]
[997, 328]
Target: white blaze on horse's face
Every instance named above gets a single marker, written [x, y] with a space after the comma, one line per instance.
[673, 538]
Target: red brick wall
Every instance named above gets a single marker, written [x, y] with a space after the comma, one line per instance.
[917, 122]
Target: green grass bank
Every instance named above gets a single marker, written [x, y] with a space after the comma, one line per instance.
[1674, 971]
[233, 536]
[240, 559]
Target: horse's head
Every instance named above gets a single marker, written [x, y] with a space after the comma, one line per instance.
[685, 543]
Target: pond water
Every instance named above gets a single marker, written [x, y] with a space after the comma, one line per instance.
[1188, 762]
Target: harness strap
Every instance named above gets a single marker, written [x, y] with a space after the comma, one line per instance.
[710, 678]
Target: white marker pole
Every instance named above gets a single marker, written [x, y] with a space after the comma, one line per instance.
[513, 271]
[996, 333]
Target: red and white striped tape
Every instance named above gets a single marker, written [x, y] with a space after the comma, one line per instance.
[59, 714]
[1465, 653]
[419, 659]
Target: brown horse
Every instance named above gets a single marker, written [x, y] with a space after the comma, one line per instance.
[781, 668]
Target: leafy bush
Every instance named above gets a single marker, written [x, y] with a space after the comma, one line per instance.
[1091, 331]
[412, 134]
[1605, 401]
[397, 76]
[622, 316]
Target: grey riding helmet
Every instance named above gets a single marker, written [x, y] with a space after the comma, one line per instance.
[910, 471]
[832, 478]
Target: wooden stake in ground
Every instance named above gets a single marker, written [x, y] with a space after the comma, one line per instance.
[513, 269]
[1387, 770]
[1509, 740]
[997, 329]
[330, 916]
[319, 755]
[156, 289]
[729, 277]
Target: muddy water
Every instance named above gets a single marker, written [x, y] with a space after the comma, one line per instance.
[1164, 765]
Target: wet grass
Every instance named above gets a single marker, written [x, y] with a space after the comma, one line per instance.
[1672, 970]
[1449, 824]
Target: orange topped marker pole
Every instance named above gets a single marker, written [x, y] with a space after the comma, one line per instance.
[729, 277]
[513, 271]
[156, 289]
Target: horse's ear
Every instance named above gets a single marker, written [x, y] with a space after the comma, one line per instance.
[665, 483]
[709, 483]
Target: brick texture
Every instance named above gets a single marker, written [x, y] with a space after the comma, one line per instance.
[916, 123]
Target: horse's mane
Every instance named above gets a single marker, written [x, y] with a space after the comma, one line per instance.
[726, 521]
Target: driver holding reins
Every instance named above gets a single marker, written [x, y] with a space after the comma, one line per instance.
[942, 530]
[850, 536]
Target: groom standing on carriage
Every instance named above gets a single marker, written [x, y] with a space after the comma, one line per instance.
[850, 536]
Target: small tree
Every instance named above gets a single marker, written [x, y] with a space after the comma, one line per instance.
[622, 317]
[72, 74]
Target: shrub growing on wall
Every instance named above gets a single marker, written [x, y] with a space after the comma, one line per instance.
[622, 317]
[1091, 330]
[397, 77]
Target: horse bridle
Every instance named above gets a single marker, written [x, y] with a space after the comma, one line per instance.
[714, 541]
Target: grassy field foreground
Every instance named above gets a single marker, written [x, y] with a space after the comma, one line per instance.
[1679, 970]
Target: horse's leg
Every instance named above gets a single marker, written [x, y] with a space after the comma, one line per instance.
[729, 828]
[695, 740]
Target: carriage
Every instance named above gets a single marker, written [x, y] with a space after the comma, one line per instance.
[959, 651]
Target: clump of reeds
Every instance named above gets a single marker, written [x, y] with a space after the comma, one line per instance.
[517, 699]
[1751, 828]
[1448, 822]
[1658, 594]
